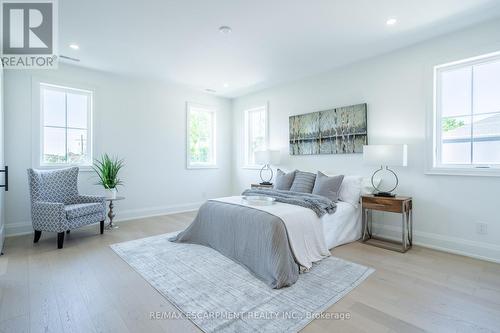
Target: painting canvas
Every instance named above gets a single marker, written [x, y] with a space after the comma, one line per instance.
[337, 131]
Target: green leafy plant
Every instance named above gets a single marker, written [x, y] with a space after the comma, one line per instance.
[107, 169]
[451, 124]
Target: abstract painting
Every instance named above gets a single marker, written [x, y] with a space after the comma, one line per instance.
[336, 131]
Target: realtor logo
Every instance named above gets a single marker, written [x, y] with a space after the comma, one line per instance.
[29, 34]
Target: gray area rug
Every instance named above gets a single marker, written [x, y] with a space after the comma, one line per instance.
[219, 295]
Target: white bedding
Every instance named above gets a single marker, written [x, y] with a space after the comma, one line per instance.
[304, 229]
[344, 226]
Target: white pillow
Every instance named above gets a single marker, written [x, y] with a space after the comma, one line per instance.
[350, 190]
[367, 187]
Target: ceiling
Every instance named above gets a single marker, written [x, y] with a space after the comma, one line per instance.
[272, 41]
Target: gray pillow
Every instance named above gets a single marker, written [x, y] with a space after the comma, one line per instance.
[303, 182]
[328, 186]
[284, 180]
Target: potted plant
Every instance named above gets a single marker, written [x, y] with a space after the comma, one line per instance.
[107, 169]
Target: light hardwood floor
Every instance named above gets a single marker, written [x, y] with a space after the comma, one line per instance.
[87, 288]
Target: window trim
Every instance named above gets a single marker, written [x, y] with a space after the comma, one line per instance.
[37, 123]
[246, 140]
[434, 167]
[213, 111]
[65, 89]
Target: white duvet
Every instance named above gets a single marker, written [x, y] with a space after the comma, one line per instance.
[304, 229]
[342, 227]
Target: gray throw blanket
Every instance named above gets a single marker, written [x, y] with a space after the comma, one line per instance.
[255, 239]
[319, 204]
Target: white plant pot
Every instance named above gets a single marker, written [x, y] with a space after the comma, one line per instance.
[110, 193]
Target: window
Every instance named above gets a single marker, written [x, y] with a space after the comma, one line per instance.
[200, 136]
[467, 115]
[256, 135]
[66, 131]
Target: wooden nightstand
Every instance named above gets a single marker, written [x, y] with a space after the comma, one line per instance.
[401, 205]
[260, 186]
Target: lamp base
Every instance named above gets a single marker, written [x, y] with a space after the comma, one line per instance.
[264, 180]
[384, 194]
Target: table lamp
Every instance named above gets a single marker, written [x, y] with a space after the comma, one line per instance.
[385, 156]
[267, 158]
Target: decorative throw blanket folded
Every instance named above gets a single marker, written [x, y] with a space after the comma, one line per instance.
[319, 204]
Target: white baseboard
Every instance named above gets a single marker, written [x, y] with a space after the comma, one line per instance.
[460, 246]
[18, 228]
[25, 228]
[2, 234]
[133, 214]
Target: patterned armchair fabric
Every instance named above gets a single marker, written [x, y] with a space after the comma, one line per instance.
[56, 205]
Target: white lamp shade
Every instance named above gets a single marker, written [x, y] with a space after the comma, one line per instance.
[267, 157]
[385, 155]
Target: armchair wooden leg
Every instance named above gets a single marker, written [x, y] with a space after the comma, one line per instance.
[37, 236]
[102, 227]
[60, 240]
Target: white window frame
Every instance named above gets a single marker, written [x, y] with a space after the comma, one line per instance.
[434, 162]
[213, 163]
[38, 123]
[246, 141]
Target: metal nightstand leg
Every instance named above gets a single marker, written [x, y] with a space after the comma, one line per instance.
[404, 243]
[370, 225]
[408, 234]
[410, 229]
[367, 220]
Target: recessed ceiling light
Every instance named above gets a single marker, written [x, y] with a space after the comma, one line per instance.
[74, 46]
[391, 21]
[225, 29]
[226, 85]
[210, 91]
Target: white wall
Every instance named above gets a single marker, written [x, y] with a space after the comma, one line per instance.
[398, 90]
[143, 122]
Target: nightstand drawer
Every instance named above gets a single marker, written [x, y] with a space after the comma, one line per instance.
[260, 186]
[384, 204]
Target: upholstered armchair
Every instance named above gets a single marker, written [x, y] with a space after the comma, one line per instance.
[56, 205]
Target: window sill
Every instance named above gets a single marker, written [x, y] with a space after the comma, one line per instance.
[475, 172]
[252, 167]
[194, 167]
[81, 168]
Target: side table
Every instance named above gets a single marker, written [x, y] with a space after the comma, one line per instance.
[401, 205]
[111, 214]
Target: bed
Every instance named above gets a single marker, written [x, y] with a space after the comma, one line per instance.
[278, 242]
[344, 226]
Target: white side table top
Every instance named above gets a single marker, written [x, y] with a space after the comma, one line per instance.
[115, 199]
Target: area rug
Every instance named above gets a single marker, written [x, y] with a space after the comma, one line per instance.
[219, 295]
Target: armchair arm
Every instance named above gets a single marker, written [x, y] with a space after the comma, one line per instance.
[48, 216]
[91, 199]
[94, 199]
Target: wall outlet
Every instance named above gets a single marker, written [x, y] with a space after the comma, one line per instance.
[481, 228]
